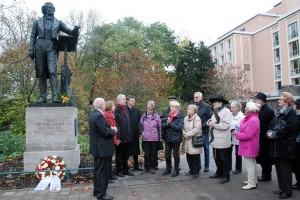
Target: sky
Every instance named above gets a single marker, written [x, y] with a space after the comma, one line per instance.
[200, 20]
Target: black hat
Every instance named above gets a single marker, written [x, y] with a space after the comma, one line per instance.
[297, 102]
[172, 97]
[261, 96]
[219, 98]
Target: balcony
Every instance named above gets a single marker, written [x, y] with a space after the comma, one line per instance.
[294, 53]
[295, 72]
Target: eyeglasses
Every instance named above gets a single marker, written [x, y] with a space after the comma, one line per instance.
[196, 97]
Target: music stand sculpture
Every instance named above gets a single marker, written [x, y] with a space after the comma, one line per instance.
[66, 44]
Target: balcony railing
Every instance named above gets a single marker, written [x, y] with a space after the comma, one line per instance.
[294, 53]
[295, 72]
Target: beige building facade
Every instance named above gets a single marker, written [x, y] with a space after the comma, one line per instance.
[266, 47]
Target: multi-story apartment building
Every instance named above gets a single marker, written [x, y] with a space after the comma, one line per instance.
[266, 47]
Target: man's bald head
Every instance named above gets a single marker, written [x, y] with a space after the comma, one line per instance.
[99, 103]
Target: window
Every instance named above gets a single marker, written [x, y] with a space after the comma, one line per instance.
[294, 48]
[221, 48]
[278, 87]
[276, 55]
[215, 62]
[214, 51]
[229, 43]
[296, 81]
[221, 60]
[229, 57]
[276, 39]
[293, 30]
[277, 72]
[295, 67]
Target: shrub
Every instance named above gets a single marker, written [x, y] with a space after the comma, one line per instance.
[84, 142]
[11, 145]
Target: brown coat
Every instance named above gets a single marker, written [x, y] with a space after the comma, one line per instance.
[191, 127]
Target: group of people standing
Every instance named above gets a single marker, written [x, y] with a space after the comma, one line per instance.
[260, 136]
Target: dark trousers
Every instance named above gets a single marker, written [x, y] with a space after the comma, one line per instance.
[206, 150]
[135, 161]
[194, 163]
[266, 166]
[102, 171]
[122, 156]
[223, 162]
[168, 150]
[296, 164]
[284, 174]
[238, 159]
[45, 59]
[150, 154]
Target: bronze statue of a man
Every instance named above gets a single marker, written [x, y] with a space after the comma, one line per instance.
[43, 49]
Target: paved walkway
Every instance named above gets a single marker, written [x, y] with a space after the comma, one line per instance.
[158, 187]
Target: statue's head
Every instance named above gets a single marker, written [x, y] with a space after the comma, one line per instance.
[48, 8]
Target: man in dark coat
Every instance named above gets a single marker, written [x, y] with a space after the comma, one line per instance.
[101, 147]
[205, 113]
[135, 116]
[43, 49]
[266, 115]
[124, 137]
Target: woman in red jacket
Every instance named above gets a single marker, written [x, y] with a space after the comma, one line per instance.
[110, 117]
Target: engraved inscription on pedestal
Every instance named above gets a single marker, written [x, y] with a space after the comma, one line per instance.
[51, 128]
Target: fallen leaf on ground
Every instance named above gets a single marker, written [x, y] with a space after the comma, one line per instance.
[86, 188]
[74, 188]
[133, 193]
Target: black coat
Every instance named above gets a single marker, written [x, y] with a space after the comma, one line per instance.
[205, 113]
[282, 144]
[265, 115]
[135, 116]
[123, 125]
[172, 132]
[101, 135]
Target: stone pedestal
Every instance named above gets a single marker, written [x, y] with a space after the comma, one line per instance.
[51, 129]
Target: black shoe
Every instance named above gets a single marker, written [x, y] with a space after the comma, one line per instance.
[110, 181]
[195, 176]
[94, 194]
[175, 173]
[264, 179]
[206, 169]
[138, 168]
[167, 171]
[120, 174]
[128, 173]
[278, 192]
[147, 171]
[224, 180]
[296, 186]
[236, 171]
[114, 177]
[284, 196]
[156, 168]
[152, 171]
[215, 176]
[106, 197]
[188, 173]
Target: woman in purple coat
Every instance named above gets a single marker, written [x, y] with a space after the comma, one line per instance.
[248, 137]
[151, 125]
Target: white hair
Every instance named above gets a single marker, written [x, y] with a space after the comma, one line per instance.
[119, 97]
[175, 104]
[200, 94]
[98, 102]
[252, 106]
[236, 104]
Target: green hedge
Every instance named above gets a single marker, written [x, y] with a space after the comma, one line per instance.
[11, 145]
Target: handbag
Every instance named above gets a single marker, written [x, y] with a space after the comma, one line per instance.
[197, 141]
